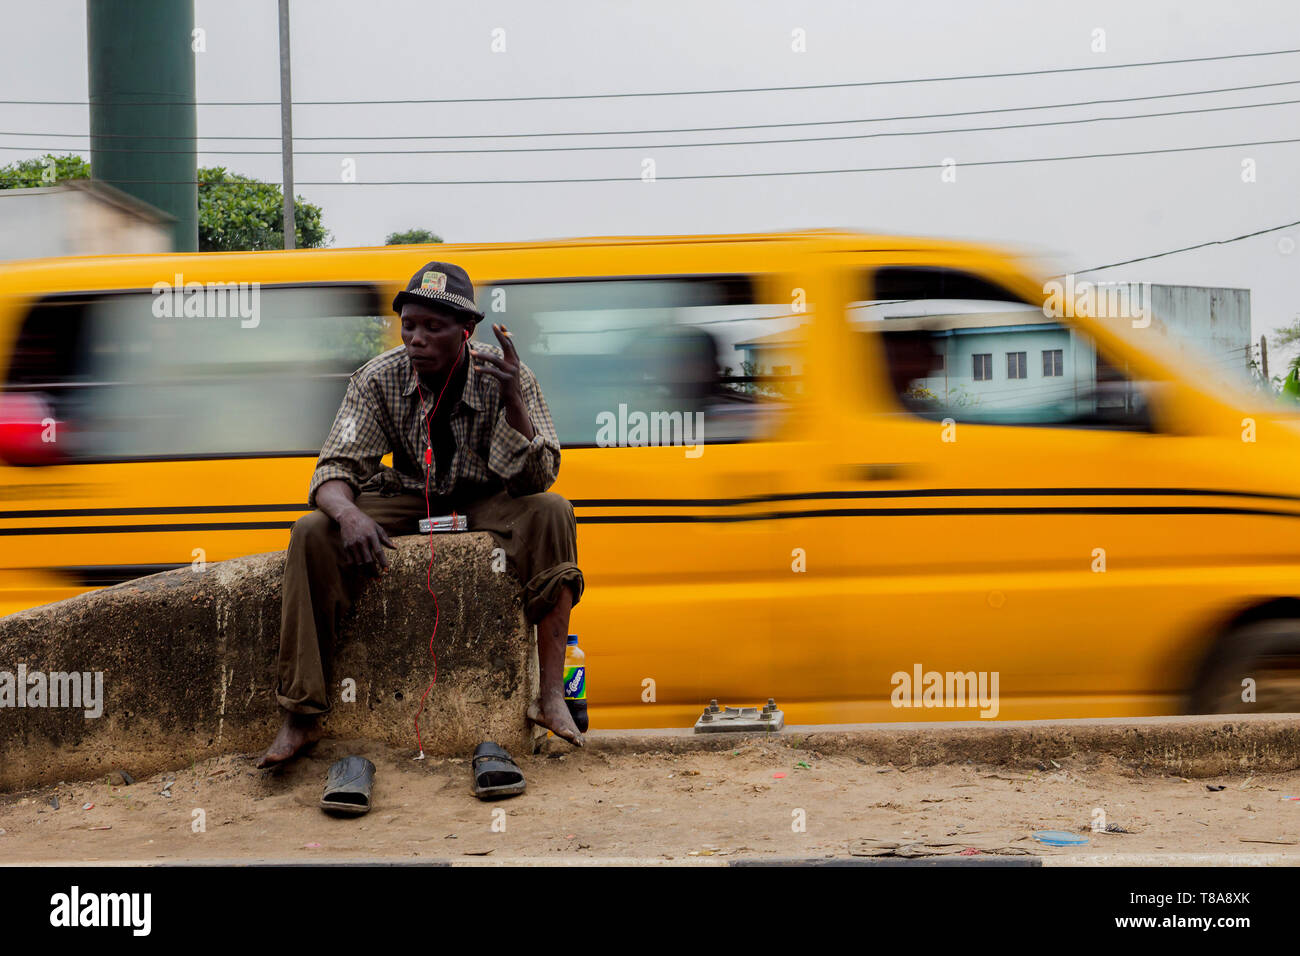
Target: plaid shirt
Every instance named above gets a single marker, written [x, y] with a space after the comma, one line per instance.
[383, 412]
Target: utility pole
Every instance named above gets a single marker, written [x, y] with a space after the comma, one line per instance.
[286, 128]
[1263, 356]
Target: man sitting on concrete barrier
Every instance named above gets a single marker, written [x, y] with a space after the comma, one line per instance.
[489, 452]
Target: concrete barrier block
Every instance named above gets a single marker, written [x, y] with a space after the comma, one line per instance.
[187, 661]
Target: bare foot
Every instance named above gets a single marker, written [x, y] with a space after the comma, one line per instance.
[296, 732]
[552, 713]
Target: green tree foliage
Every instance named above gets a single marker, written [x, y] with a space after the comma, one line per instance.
[1286, 336]
[47, 170]
[238, 213]
[411, 237]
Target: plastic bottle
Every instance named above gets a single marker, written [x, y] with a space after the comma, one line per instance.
[575, 682]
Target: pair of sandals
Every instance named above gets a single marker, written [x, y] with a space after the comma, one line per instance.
[350, 780]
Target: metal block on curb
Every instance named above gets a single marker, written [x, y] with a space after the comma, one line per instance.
[736, 720]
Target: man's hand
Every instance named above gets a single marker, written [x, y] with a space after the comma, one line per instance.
[364, 541]
[506, 371]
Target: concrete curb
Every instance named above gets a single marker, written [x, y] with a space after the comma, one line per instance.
[1202, 746]
[1018, 861]
[363, 862]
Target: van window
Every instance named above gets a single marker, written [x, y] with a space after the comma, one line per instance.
[959, 346]
[258, 377]
[604, 350]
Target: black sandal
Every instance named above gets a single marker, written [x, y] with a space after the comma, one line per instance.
[496, 775]
[347, 788]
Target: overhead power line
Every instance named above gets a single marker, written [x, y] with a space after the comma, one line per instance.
[1199, 245]
[654, 146]
[688, 129]
[759, 175]
[714, 92]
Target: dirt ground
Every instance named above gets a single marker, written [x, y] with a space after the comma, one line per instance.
[746, 803]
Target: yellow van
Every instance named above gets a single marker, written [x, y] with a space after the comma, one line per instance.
[874, 478]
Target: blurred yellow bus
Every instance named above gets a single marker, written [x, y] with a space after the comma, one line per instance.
[848, 472]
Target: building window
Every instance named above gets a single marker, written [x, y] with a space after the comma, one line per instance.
[1016, 365]
[1052, 363]
[983, 366]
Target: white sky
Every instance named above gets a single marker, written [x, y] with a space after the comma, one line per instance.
[1083, 212]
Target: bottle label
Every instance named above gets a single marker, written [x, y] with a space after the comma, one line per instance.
[575, 683]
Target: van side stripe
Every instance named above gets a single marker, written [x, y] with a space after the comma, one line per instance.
[923, 493]
[714, 518]
[697, 502]
[147, 528]
[158, 510]
[910, 512]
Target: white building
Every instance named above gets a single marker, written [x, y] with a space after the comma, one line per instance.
[79, 218]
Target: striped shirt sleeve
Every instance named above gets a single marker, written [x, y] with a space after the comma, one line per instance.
[355, 445]
[527, 467]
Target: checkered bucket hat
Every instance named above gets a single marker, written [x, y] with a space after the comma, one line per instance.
[442, 283]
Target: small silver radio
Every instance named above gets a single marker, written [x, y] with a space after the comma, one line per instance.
[444, 523]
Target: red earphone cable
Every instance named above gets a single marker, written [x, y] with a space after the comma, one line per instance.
[428, 580]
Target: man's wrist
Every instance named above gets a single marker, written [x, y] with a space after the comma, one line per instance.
[339, 510]
[514, 403]
[517, 417]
